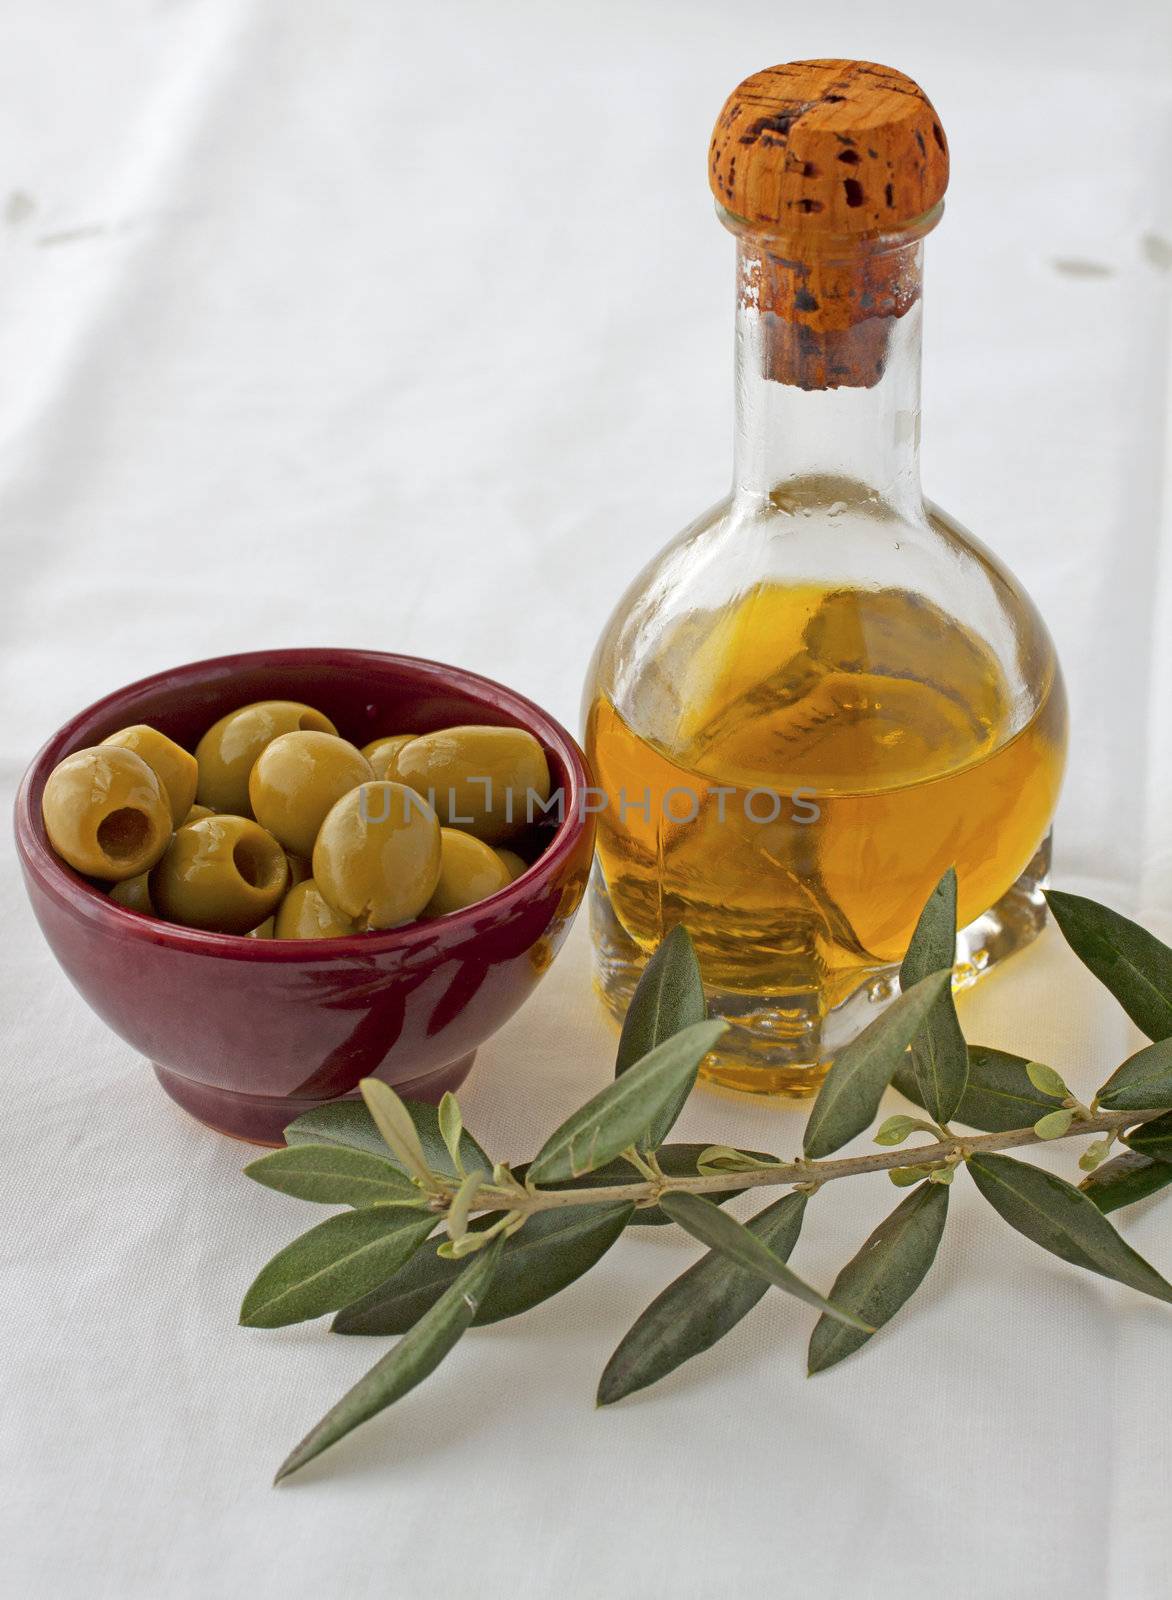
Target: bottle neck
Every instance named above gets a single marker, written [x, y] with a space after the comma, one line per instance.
[828, 373]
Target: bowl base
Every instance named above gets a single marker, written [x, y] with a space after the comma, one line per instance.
[262, 1119]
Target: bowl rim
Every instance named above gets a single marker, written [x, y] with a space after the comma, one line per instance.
[56, 877]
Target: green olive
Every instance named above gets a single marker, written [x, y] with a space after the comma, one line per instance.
[381, 754]
[469, 871]
[134, 893]
[514, 864]
[377, 856]
[483, 780]
[106, 813]
[297, 778]
[224, 874]
[299, 868]
[228, 749]
[197, 814]
[266, 930]
[174, 766]
[304, 914]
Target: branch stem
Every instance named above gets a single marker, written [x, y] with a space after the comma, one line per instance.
[805, 1172]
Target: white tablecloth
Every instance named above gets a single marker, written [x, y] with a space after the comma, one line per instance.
[410, 328]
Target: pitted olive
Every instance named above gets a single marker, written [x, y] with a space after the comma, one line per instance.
[515, 864]
[470, 870]
[229, 748]
[106, 813]
[299, 868]
[377, 856]
[381, 754]
[134, 893]
[223, 874]
[296, 779]
[174, 767]
[487, 781]
[305, 914]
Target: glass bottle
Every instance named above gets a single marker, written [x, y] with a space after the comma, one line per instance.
[824, 692]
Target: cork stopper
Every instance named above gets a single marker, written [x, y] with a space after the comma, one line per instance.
[827, 169]
[817, 148]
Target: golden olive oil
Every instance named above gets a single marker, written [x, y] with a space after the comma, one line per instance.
[823, 756]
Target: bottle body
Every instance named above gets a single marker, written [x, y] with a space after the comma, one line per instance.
[818, 698]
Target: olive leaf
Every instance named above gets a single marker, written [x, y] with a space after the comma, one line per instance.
[715, 1228]
[998, 1096]
[461, 1205]
[1046, 1081]
[885, 1273]
[894, 1130]
[1126, 1179]
[340, 1122]
[1094, 1154]
[1127, 959]
[717, 1158]
[333, 1264]
[426, 1118]
[699, 1307]
[1054, 1124]
[668, 998]
[620, 1115]
[334, 1175]
[552, 1250]
[1143, 1082]
[349, 1123]
[393, 1121]
[414, 1358]
[451, 1126]
[1059, 1217]
[852, 1089]
[1152, 1139]
[939, 1056]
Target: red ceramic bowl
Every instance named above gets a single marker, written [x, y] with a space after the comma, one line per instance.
[247, 1034]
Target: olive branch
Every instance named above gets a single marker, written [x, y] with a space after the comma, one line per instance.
[439, 1236]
